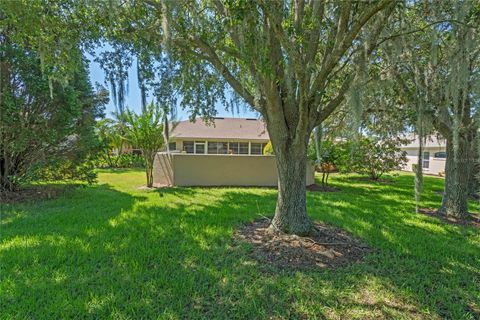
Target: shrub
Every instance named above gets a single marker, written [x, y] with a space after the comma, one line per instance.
[330, 153]
[126, 160]
[69, 171]
[45, 124]
[375, 157]
[268, 149]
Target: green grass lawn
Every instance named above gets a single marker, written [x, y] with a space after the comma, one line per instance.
[113, 250]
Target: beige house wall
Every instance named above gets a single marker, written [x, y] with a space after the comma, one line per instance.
[436, 166]
[181, 169]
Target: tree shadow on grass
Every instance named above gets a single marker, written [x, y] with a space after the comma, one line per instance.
[422, 269]
[117, 255]
[46, 246]
[436, 264]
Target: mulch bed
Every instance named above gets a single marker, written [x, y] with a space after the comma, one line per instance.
[318, 188]
[473, 221]
[329, 248]
[29, 194]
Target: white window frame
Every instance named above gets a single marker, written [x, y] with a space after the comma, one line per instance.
[426, 160]
[171, 142]
[183, 146]
[248, 148]
[195, 146]
[229, 148]
[261, 149]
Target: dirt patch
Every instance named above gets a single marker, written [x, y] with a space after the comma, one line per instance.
[31, 194]
[319, 188]
[145, 188]
[329, 248]
[473, 221]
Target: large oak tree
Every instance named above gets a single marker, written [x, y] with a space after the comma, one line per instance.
[434, 54]
[292, 61]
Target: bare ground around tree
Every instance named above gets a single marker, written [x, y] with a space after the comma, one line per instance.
[329, 248]
[473, 220]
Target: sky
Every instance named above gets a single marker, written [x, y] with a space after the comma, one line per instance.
[133, 100]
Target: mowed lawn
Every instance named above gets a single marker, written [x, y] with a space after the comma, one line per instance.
[115, 250]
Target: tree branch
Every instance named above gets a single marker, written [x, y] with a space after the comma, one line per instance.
[213, 58]
[347, 38]
[335, 102]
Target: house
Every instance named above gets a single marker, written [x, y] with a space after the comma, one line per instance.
[434, 154]
[223, 136]
[223, 152]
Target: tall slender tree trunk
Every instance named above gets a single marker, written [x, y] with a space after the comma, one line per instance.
[317, 132]
[457, 168]
[149, 159]
[149, 174]
[474, 175]
[291, 211]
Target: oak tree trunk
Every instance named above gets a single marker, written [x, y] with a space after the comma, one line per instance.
[455, 195]
[291, 211]
[474, 175]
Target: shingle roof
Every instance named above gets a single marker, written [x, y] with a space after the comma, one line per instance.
[222, 128]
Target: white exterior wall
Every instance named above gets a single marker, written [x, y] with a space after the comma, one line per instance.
[436, 166]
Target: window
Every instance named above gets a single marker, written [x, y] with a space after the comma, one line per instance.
[212, 147]
[172, 146]
[200, 147]
[256, 148]
[441, 155]
[222, 147]
[243, 148]
[217, 147]
[426, 160]
[233, 148]
[188, 146]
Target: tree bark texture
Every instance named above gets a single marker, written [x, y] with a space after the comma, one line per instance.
[291, 210]
[457, 169]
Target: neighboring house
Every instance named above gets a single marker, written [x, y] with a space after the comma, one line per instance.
[226, 152]
[434, 154]
[129, 149]
[223, 136]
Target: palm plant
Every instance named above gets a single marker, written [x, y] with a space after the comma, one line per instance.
[145, 131]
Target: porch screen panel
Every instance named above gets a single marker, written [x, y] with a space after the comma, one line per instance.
[233, 147]
[243, 148]
[188, 146]
[256, 148]
[217, 147]
[222, 147]
[212, 148]
[200, 147]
